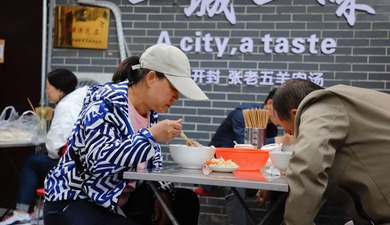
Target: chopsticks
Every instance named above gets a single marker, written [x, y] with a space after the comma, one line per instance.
[31, 105]
[188, 141]
[48, 112]
[256, 118]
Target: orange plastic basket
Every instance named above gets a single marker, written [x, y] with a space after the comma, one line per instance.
[246, 159]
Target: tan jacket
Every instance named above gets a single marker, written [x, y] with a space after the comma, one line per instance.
[342, 153]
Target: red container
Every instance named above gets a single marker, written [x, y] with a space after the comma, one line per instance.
[246, 159]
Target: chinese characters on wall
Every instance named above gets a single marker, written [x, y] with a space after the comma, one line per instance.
[254, 77]
[205, 42]
[346, 8]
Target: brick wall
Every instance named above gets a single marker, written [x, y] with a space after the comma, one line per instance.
[213, 212]
[360, 58]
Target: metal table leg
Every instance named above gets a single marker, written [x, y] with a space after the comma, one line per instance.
[274, 206]
[12, 162]
[17, 173]
[251, 217]
[163, 203]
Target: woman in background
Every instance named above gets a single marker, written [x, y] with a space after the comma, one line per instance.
[60, 90]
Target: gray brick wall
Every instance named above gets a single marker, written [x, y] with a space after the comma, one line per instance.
[213, 212]
[361, 57]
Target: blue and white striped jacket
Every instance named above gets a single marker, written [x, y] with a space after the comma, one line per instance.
[107, 146]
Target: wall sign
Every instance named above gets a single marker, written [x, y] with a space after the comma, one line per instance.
[2, 43]
[81, 27]
[279, 45]
[346, 8]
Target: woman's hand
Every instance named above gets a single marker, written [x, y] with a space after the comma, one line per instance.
[159, 213]
[166, 130]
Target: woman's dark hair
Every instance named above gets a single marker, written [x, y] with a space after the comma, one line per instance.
[290, 94]
[62, 79]
[124, 71]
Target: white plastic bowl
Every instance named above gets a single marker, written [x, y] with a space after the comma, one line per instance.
[272, 147]
[288, 148]
[280, 160]
[250, 146]
[191, 157]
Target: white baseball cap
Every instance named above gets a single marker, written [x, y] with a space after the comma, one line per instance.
[174, 64]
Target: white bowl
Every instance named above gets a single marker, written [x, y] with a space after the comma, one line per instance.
[250, 146]
[272, 147]
[288, 148]
[280, 160]
[191, 157]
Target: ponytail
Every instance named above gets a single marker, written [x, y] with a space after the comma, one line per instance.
[124, 71]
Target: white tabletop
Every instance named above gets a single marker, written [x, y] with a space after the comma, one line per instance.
[5, 144]
[238, 179]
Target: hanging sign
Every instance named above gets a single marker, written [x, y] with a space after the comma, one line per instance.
[81, 27]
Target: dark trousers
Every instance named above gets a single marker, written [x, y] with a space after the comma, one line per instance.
[139, 210]
[35, 169]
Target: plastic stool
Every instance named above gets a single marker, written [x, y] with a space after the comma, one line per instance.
[41, 193]
[202, 192]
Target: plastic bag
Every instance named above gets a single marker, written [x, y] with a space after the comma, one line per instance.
[19, 129]
[13, 115]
